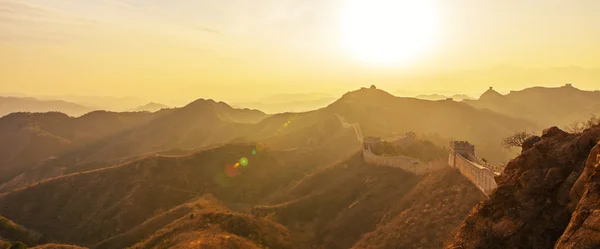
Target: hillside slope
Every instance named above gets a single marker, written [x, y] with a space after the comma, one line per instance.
[11, 231]
[354, 204]
[86, 208]
[29, 139]
[546, 197]
[218, 229]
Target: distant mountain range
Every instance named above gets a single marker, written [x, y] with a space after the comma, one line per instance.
[48, 144]
[150, 107]
[211, 175]
[546, 106]
[289, 102]
[457, 97]
[25, 104]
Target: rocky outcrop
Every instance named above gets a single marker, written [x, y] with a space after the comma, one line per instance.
[548, 196]
[529, 142]
[584, 229]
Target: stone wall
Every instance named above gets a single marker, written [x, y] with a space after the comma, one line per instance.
[403, 162]
[481, 176]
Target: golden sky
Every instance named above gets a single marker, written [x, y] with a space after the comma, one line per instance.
[235, 49]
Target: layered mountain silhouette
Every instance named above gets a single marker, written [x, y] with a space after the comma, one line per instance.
[289, 102]
[457, 97]
[63, 144]
[546, 106]
[150, 107]
[25, 104]
[208, 175]
[51, 144]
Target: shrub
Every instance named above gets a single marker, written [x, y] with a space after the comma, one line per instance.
[580, 127]
[18, 245]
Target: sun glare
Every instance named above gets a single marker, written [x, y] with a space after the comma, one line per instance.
[388, 31]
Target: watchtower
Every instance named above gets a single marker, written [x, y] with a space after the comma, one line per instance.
[462, 147]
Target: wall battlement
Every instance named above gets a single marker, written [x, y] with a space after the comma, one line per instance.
[403, 162]
[462, 157]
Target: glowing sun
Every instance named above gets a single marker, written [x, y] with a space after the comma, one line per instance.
[388, 31]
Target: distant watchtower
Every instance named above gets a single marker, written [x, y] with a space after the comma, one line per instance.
[373, 87]
[491, 88]
[568, 85]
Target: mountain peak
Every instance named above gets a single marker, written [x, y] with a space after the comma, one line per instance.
[491, 94]
[367, 93]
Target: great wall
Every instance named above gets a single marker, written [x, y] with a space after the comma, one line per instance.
[462, 157]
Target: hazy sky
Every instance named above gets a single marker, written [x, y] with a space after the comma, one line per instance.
[167, 49]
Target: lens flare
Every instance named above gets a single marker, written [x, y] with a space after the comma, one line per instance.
[244, 161]
[231, 170]
[254, 152]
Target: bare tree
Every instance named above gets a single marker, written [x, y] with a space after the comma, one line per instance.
[516, 139]
[580, 127]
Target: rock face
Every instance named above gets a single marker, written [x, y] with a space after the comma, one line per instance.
[584, 229]
[547, 197]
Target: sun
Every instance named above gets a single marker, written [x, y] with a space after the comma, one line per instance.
[387, 31]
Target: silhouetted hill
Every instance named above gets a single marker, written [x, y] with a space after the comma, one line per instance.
[150, 107]
[42, 145]
[547, 197]
[380, 114]
[323, 198]
[546, 106]
[30, 139]
[200, 123]
[16, 104]
[47, 145]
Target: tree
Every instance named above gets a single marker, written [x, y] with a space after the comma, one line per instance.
[516, 139]
[580, 127]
